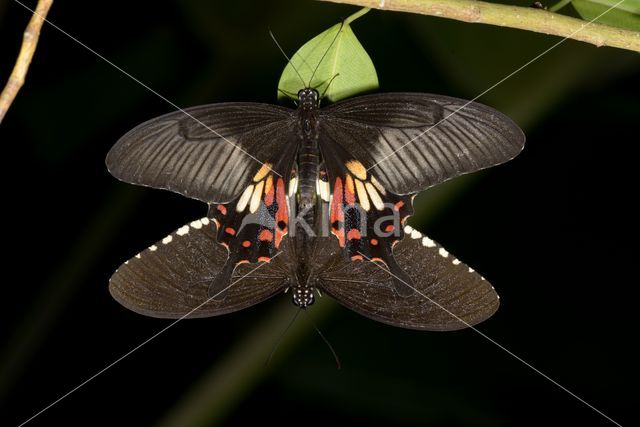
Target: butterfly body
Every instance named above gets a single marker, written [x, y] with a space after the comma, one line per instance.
[315, 199]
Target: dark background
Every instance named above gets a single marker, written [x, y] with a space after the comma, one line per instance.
[551, 230]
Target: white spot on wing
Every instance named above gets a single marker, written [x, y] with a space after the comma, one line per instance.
[415, 234]
[408, 229]
[379, 186]
[153, 248]
[362, 195]
[256, 197]
[471, 270]
[138, 256]
[244, 199]
[167, 239]
[293, 186]
[205, 221]
[182, 230]
[375, 197]
[456, 261]
[443, 252]
[196, 224]
[428, 242]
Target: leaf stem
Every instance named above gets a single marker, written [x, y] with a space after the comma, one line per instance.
[356, 15]
[524, 18]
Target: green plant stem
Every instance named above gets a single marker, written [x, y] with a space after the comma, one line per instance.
[556, 7]
[356, 15]
[536, 20]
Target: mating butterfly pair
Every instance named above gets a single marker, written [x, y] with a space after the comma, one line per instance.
[311, 200]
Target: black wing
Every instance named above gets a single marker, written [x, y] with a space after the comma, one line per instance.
[209, 154]
[171, 278]
[448, 294]
[410, 142]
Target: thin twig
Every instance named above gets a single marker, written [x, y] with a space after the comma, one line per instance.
[537, 20]
[29, 43]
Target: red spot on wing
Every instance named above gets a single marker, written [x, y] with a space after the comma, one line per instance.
[230, 230]
[243, 261]
[246, 243]
[378, 259]
[337, 212]
[398, 205]
[356, 258]
[282, 214]
[222, 209]
[374, 242]
[354, 233]
[266, 235]
[264, 258]
[389, 228]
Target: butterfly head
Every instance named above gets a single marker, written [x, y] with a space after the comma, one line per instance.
[309, 98]
[303, 296]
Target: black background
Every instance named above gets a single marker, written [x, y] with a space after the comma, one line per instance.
[552, 230]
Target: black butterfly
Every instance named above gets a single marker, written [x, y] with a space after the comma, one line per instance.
[310, 196]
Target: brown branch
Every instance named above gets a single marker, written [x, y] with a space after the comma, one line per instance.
[29, 43]
[524, 18]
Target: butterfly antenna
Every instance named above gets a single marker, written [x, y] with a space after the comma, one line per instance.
[325, 53]
[285, 55]
[329, 84]
[277, 344]
[326, 341]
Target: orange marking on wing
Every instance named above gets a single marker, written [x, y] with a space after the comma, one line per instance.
[282, 213]
[389, 228]
[269, 192]
[230, 230]
[356, 258]
[349, 191]
[375, 258]
[246, 243]
[266, 235]
[243, 261]
[398, 205]
[374, 242]
[354, 233]
[222, 209]
[336, 204]
[264, 258]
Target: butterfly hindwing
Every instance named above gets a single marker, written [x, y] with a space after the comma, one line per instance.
[366, 218]
[448, 294]
[253, 225]
[171, 278]
[411, 141]
[209, 152]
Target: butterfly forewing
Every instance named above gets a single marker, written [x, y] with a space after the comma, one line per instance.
[209, 152]
[448, 294]
[411, 142]
[171, 278]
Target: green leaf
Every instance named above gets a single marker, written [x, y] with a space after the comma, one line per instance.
[625, 15]
[334, 58]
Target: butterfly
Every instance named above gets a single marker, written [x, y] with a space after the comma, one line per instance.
[311, 200]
